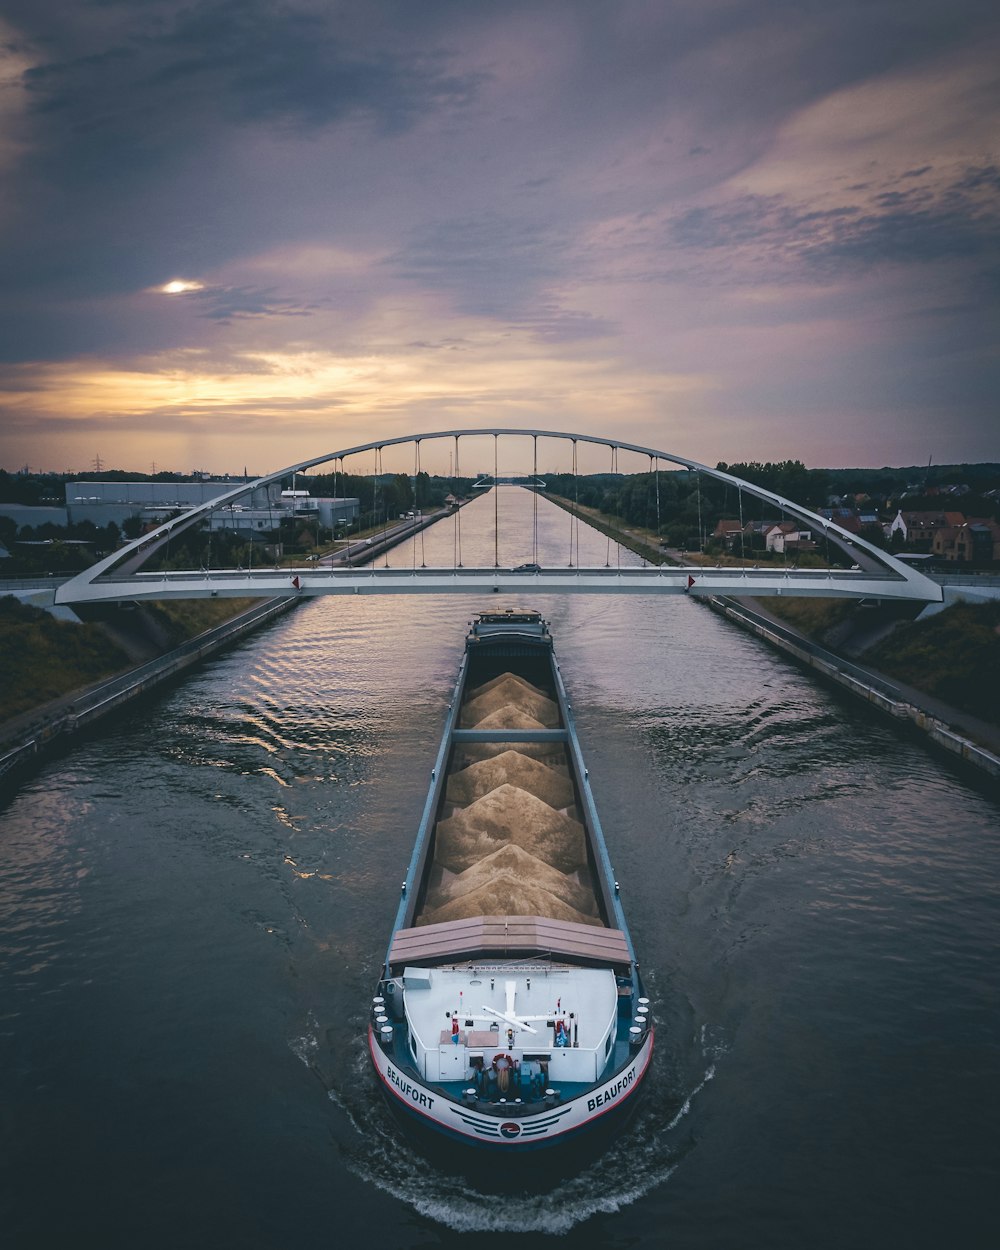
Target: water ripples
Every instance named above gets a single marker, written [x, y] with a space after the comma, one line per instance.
[814, 898]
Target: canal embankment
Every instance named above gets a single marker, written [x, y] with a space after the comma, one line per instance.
[969, 738]
[363, 550]
[28, 738]
[158, 659]
[961, 734]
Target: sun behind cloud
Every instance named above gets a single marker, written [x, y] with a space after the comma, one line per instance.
[180, 286]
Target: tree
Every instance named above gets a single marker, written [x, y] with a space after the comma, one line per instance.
[404, 492]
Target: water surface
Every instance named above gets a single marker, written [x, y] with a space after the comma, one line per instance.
[194, 906]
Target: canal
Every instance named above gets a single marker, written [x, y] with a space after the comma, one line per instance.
[194, 906]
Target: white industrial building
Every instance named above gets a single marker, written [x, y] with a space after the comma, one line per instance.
[260, 511]
[101, 502]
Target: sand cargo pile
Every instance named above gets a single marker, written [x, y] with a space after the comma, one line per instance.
[511, 841]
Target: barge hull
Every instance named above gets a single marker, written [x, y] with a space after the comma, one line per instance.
[429, 1109]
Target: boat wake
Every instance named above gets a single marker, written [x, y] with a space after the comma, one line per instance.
[639, 1161]
[307, 1047]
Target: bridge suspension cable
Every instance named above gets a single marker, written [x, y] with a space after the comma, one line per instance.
[458, 514]
[416, 507]
[574, 512]
[701, 527]
[496, 503]
[658, 535]
[534, 499]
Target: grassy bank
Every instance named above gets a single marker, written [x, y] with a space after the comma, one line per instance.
[182, 619]
[954, 656]
[42, 659]
[815, 617]
[642, 541]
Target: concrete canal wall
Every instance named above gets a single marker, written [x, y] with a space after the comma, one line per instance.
[879, 693]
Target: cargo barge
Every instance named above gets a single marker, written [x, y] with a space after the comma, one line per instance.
[510, 1014]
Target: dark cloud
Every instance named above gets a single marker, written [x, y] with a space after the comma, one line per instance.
[503, 269]
[233, 60]
[977, 178]
[767, 222]
[913, 225]
[239, 303]
[554, 324]
[135, 107]
[142, 118]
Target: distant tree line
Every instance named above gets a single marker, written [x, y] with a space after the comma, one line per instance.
[684, 507]
[681, 506]
[64, 549]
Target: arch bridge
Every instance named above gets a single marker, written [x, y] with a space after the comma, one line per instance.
[874, 574]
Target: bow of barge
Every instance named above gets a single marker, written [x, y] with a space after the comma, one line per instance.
[510, 1012]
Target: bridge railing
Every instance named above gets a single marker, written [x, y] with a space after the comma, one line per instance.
[670, 572]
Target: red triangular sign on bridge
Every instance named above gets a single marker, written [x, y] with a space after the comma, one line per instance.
[690, 581]
[295, 582]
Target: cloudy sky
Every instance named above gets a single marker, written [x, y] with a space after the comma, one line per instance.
[245, 232]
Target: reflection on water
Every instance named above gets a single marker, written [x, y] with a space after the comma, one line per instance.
[200, 898]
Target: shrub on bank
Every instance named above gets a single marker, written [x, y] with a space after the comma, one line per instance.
[954, 656]
[42, 658]
[182, 619]
[815, 617]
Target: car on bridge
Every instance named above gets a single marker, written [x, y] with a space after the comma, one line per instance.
[527, 568]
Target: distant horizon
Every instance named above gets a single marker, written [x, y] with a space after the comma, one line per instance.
[506, 472]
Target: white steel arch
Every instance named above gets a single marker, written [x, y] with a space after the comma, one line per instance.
[897, 578]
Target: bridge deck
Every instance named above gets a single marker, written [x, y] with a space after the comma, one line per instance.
[662, 579]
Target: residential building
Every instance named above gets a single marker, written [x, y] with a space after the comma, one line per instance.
[975, 541]
[728, 532]
[785, 538]
[847, 518]
[918, 528]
